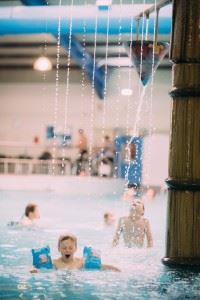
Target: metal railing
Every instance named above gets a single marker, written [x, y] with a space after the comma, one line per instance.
[35, 166]
[153, 8]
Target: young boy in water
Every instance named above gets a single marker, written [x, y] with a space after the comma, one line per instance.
[109, 219]
[131, 194]
[134, 228]
[67, 246]
[31, 214]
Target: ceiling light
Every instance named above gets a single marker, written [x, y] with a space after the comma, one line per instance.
[126, 92]
[42, 63]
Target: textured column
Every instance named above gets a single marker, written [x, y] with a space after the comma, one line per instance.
[183, 228]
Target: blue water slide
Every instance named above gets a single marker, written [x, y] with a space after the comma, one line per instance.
[38, 18]
[95, 73]
[77, 52]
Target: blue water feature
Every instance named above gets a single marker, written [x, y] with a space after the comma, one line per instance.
[42, 25]
[142, 274]
[133, 166]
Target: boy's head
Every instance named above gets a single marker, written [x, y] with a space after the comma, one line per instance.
[67, 246]
[132, 188]
[137, 209]
[81, 131]
[107, 138]
[108, 218]
[32, 211]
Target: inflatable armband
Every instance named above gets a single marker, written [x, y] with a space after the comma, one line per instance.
[92, 259]
[42, 258]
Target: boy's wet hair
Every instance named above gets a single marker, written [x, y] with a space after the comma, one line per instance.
[67, 236]
[133, 185]
[106, 215]
[30, 208]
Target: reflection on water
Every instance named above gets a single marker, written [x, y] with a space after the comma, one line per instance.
[142, 277]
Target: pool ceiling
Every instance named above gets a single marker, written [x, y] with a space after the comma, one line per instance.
[20, 51]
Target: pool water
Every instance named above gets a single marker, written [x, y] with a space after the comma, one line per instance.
[142, 274]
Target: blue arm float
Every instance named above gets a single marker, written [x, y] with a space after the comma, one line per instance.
[92, 260]
[42, 258]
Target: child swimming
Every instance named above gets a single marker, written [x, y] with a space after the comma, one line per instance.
[67, 246]
[31, 214]
[131, 194]
[134, 228]
[109, 219]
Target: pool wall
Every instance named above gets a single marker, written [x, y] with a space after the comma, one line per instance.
[72, 185]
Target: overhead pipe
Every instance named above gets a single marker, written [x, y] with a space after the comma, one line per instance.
[34, 2]
[42, 19]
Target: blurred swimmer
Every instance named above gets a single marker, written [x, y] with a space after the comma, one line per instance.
[109, 219]
[134, 228]
[31, 214]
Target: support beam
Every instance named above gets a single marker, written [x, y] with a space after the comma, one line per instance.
[183, 228]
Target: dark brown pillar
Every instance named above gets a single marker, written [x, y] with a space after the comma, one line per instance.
[183, 228]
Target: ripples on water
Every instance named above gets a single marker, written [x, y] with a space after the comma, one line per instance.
[142, 277]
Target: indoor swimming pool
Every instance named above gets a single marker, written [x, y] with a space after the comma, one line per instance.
[142, 274]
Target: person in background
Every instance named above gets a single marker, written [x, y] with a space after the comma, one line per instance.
[108, 149]
[82, 163]
[31, 214]
[109, 219]
[82, 141]
[150, 194]
[134, 228]
[46, 155]
[104, 168]
[82, 160]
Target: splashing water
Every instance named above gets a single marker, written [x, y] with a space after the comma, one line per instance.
[105, 82]
[135, 132]
[142, 275]
[67, 86]
[91, 137]
[129, 74]
[56, 93]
